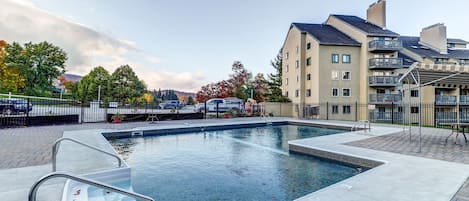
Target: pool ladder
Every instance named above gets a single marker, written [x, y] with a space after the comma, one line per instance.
[365, 123]
[33, 191]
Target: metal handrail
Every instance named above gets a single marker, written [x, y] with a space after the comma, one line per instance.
[55, 149]
[33, 191]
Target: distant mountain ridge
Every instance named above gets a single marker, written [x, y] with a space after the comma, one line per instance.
[72, 77]
[178, 93]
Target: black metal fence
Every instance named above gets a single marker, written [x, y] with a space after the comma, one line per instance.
[29, 111]
[432, 114]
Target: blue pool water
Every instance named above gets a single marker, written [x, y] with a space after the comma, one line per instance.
[238, 164]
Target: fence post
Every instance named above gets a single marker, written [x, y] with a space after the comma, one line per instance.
[434, 114]
[217, 109]
[82, 115]
[205, 109]
[27, 112]
[356, 111]
[392, 113]
[327, 110]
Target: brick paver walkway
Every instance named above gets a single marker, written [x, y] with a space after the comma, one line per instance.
[433, 145]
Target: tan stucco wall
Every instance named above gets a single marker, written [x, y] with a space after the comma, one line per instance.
[292, 41]
[278, 109]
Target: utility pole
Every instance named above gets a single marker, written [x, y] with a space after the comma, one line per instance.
[99, 94]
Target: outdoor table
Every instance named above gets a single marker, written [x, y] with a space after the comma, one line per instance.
[456, 127]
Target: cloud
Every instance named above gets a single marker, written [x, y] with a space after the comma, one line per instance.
[23, 22]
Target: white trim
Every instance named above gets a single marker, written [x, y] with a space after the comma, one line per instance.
[350, 92]
[350, 75]
[332, 92]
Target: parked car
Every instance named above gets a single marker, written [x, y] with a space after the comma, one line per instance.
[171, 104]
[223, 105]
[14, 106]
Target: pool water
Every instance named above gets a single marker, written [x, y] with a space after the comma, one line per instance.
[237, 164]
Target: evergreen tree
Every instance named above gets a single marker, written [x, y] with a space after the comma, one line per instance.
[275, 81]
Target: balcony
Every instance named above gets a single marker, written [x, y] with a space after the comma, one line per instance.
[385, 63]
[384, 45]
[445, 117]
[385, 98]
[445, 100]
[464, 99]
[383, 81]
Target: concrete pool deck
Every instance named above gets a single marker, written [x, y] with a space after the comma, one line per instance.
[401, 177]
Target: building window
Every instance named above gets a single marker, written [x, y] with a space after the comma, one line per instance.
[297, 64]
[308, 76]
[297, 93]
[286, 56]
[346, 92]
[346, 58]
[346, 75]
[286, 68]
[308, 92]
[286, 81]
[414, 93]
[335, 75]
[308, 46]
[346, 109]
[335, 109]
[297, 49]
[308, 61]
[297, 78]
[335, 58]
[286, 93]
[335, 92]
[414, 110]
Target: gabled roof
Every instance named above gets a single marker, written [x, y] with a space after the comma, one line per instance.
[411, 43]
[326, 34]
[367, 27]
[457, 41]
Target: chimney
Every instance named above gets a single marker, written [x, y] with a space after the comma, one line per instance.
[434, 37]
[376, 13]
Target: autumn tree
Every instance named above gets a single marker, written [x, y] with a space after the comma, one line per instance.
[39, 64]
[125, 85]
[260, 86]
[10, 78]
[238, 80]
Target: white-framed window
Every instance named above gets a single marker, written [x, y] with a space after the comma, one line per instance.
[346, 58]
[297, 49]
[308, 46]
[297, 93]
[308, 76]
[286, 93]
[414, 93]
[286, 68]
[308, 92]
[335, 92]
[335, 75]
[335, 109]
[346, 92]
[297, 78]
[346, 109]
[286, 81]
[346, 75]
[297, 64]
[287, 55]
[335, 58]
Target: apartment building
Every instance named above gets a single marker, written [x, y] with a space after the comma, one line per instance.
[349, 61]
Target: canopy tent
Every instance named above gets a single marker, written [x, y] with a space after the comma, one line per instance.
[437, 75]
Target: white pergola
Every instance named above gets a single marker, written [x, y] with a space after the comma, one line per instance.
[433, 74]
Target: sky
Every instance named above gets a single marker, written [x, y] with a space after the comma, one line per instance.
[184, 44]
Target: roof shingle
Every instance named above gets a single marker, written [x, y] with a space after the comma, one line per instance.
[367, 27]
[326, 34]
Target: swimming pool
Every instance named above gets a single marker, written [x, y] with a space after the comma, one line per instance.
[235, 164]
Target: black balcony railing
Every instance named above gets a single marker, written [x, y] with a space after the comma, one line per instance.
[385, 45]
[385, 98]
[386, 63]
[445, 100]
[383, 80]
[464, 99]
